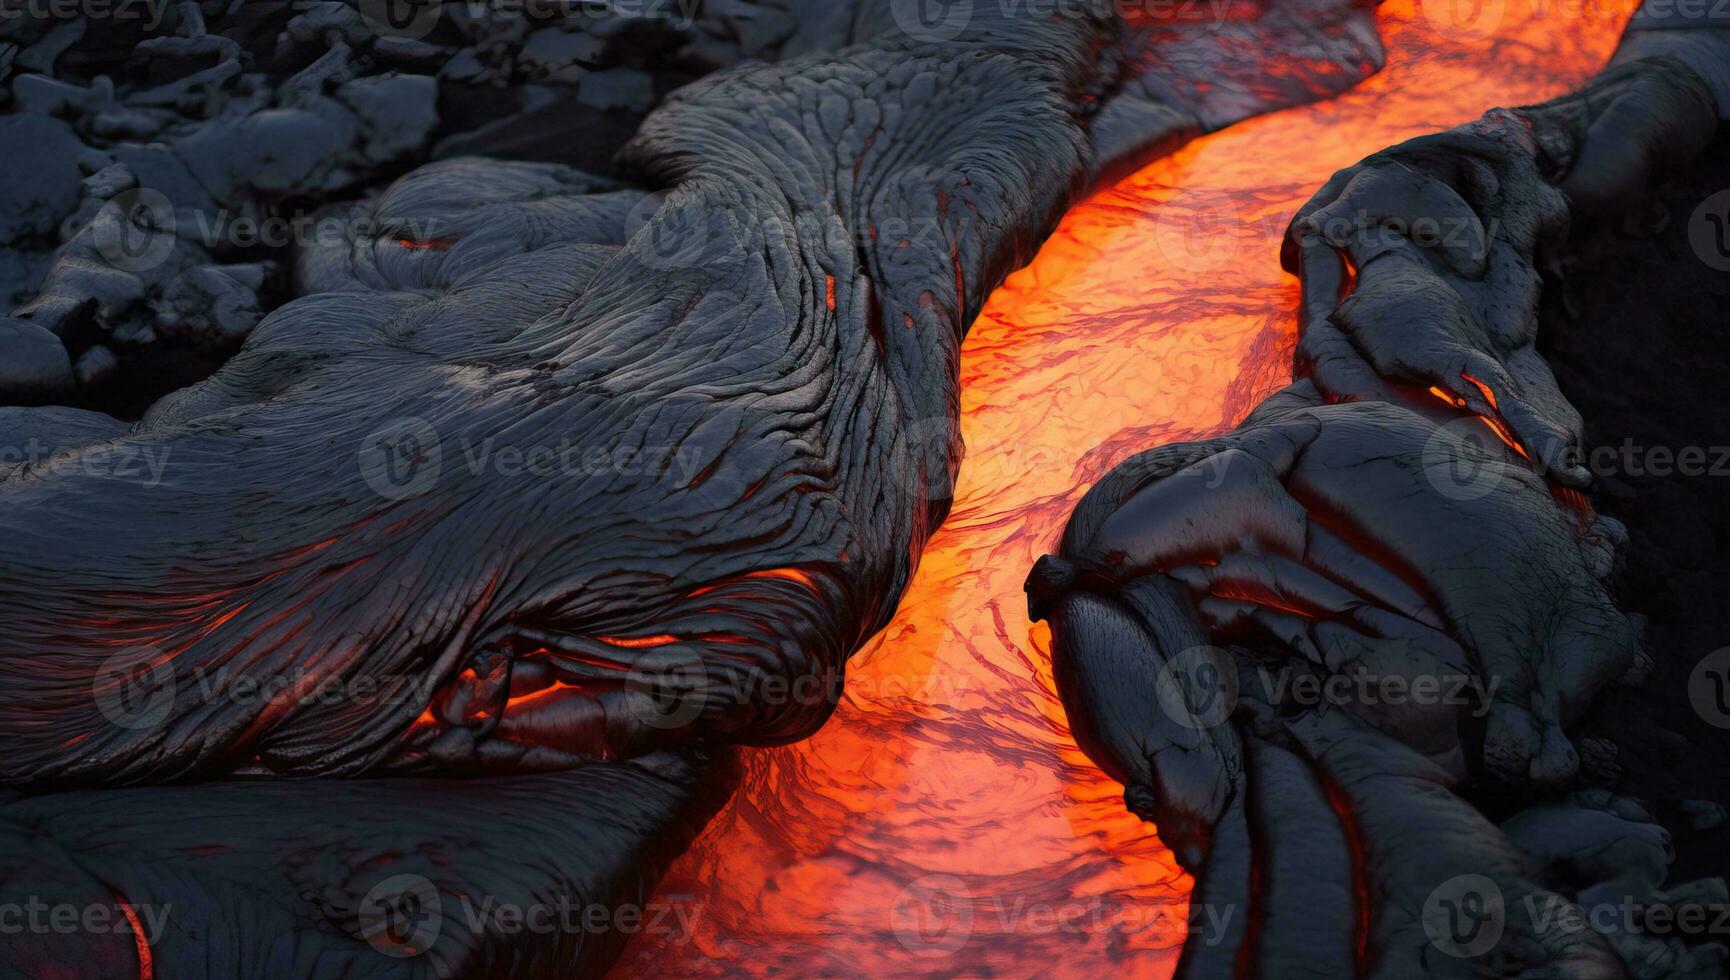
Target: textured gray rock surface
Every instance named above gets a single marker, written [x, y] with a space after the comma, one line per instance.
[745, 317]
[1407, 512]
[239, 115]
[36, 369]
[745, 305]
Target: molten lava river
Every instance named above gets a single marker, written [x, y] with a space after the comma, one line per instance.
[943, 822]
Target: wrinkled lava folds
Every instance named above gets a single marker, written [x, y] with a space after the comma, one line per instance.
[943, 822]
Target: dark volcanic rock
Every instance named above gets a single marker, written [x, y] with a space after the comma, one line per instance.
[1414, 506]
[96, 366]
[849, 343]
[211, 307]
[40, 174]
[34, 368]
[618, 88]
[398, 878]
[771, 386]
[1638, 340]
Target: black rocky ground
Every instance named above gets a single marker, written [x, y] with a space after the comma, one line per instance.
[254, 116]
[1638, 337]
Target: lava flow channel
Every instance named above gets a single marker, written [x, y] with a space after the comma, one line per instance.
[943, 822]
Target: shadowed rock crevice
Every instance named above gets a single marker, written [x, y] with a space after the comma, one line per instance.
[1662, 470]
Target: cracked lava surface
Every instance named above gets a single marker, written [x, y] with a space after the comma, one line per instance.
[943, 819]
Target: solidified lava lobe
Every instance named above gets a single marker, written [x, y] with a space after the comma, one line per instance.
[943, 821]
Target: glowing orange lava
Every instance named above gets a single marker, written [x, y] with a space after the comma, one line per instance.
[140, 942]
[1495, 425]
[943, 823]
[639, 642]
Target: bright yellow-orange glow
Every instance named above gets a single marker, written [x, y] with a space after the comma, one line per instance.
[554, 689]
[1158, 312]
[796, 575]
[140, 942]
[1505, 434]
[786, 575]
[1495, 425]
[1488, 392]
[639, 642]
